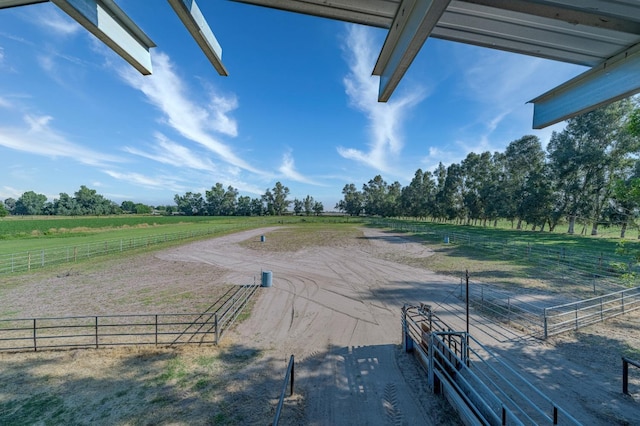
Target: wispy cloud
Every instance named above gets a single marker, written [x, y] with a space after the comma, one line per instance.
[168, 152]
[288, 170]
[166, 91]
[151, 182]
[385, 119]
[500, 84]
[38, 137]
[56, 21]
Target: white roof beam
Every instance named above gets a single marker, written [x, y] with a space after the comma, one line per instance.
[192, 18]
[105, 20]
[412, 25]
[616, 78]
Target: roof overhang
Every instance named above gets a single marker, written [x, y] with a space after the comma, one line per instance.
[593, 33]
[105, 20]
[603, 35]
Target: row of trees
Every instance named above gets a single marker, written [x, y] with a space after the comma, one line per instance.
[217, 202]
[588, 174]
[226, 202]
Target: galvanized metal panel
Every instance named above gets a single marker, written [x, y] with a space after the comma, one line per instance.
[192, 18]
[13, 3]
[105, 20]
[615, 79]
[376, 13]
[411, 28]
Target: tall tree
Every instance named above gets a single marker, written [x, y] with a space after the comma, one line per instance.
[190, 204]
[587, 156]
[10, 204]
[523, 158]
[375, 196]
[352, 202]
[276, 199]
[30, 203]
[214, 199]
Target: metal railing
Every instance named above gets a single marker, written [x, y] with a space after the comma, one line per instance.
[483, 387]
[29, 260]
[625, 373]
[288, 379]
[120, 330]
[572, 316]
[597, 271]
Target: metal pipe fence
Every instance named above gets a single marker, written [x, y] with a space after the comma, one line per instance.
[596, 271]
[483, 387]
[572, 316]
[122, 330]
[288, 380]
[29, 260]
[625, 373]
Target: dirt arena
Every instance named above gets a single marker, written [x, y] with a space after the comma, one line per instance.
[336, 306]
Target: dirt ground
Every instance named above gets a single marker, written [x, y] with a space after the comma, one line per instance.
[336, 307]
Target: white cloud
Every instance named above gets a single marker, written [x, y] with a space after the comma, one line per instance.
[385, 119]
[166, 91]
[38, 137]
[56, 21]
[156, 182]
[288, 170]
[168, 152]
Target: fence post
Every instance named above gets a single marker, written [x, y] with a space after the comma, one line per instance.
[42, 258]
[35, 342]
[156, 329]
[96, 332]
[546, 330]
[29, 261]
[215, 320]
[625, 376]
[622, 301]
[577, 317]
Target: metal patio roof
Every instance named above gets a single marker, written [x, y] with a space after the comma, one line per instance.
[601, 34]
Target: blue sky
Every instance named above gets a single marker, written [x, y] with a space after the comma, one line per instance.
[300, 106]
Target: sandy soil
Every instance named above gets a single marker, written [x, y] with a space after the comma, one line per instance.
[337, 310]
[336, 307]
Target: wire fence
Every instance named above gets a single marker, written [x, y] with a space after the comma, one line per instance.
[30, 260]
[594, 272]
[540, 314]
[124, 330]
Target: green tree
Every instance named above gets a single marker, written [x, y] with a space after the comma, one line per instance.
[416, 199]
[244, 206]
[523, 158]
[142, 208]
[375, 196]
[3, 211]
[308, 204]
[586, 157]
[190, 204]
[128, 206]
[276, 199]
[214, 199]
[66, 205]
[352, 202]
[318, 208]
[92, 203]
[10, 204]
[298, 206]
[30, 203]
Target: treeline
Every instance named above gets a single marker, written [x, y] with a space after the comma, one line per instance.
[216, 202]
[589, 174]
